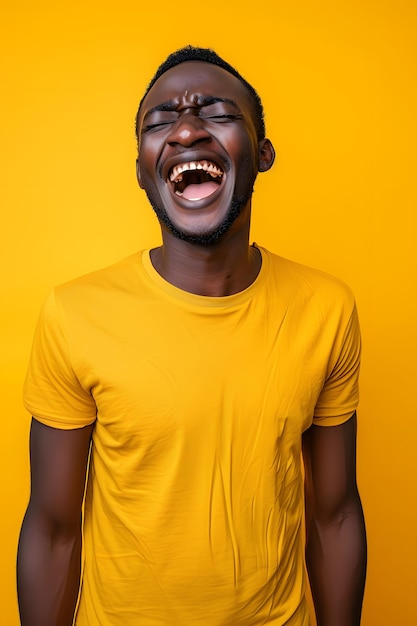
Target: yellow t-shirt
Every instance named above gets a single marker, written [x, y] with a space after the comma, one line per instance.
[194, 503]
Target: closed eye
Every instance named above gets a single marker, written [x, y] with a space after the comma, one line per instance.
[150, 127]
[224, 116]
[159, 118]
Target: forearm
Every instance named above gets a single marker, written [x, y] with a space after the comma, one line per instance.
[48, 574]
[336, 563]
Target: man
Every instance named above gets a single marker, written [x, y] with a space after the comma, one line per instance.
[197, 370]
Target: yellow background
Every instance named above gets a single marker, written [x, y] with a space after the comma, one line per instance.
[338, 82]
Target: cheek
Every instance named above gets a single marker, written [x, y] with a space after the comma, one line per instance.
[242, 149]
[147, 159]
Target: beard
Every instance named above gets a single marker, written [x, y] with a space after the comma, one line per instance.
[236, 207]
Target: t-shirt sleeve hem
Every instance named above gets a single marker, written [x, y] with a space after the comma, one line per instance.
[59, 423]
[331, 420]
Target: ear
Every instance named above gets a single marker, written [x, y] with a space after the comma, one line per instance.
[138, 176]
[266, 155]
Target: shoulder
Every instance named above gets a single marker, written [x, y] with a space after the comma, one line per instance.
[92, 296]
[98, 288]
[116, 274]
[308, 284]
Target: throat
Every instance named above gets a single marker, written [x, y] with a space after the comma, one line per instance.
[207, 274]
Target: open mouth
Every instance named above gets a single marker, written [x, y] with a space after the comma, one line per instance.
[195, 180]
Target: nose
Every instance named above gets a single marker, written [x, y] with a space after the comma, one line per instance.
[188, 130]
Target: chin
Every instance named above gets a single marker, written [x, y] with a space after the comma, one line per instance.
[203, 237]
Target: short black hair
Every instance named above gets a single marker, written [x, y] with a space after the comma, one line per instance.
[207, 55]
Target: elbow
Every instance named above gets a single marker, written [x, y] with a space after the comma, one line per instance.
[338, 517]
[336, 509]
[44, 527]
[344, 521]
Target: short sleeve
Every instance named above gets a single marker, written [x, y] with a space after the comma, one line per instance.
[52, 392]
[340, 394]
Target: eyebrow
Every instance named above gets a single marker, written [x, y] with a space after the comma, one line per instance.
[202, 101]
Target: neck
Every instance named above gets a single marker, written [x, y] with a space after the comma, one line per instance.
[221, 269]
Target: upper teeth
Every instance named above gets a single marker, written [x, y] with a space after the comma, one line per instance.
[209, 167]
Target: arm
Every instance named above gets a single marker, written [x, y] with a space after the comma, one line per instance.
[49, 555]
[336, 538]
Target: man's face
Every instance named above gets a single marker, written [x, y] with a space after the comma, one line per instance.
[198, 150]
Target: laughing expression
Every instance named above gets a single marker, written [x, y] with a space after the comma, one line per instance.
[198, 150]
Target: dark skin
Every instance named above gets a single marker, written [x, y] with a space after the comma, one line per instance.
[224, 133]
[336, 536]
[49, 557]
[209, 116]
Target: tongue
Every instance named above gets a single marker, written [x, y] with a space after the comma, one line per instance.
[197, 192]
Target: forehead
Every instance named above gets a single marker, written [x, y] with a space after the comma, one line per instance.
[196, 78]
